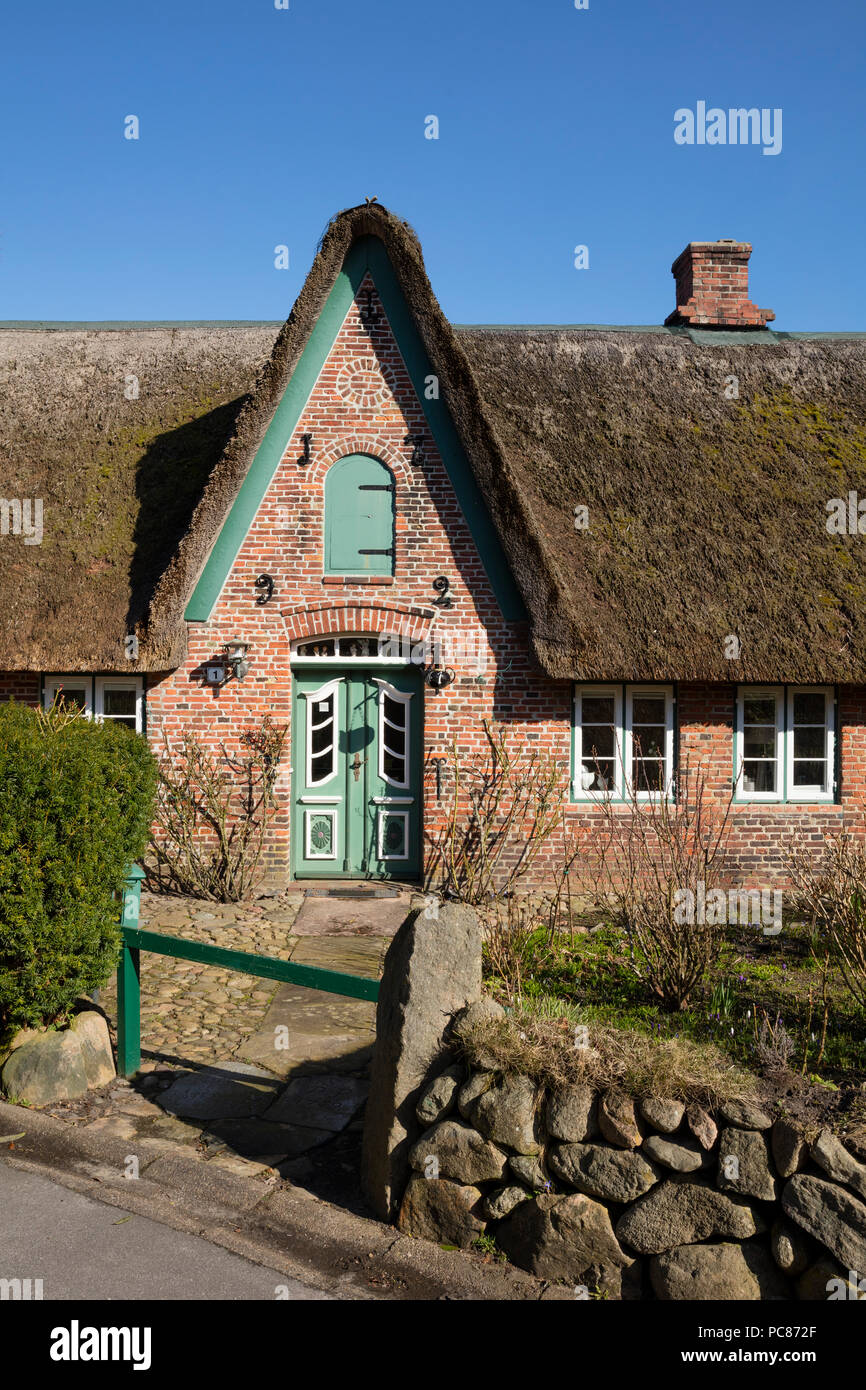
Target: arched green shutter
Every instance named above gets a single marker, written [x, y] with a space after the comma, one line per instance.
[359, 517]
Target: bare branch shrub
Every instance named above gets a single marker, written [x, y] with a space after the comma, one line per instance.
[655, 853]
[830, 890]
[505, 804]
[213, 813]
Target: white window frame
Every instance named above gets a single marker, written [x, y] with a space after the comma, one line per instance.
[760, 692]
[51, 685]
[793, 793]
[401, 697]
[616, 792]
[323, 693]
[639, 691]
[104, 683]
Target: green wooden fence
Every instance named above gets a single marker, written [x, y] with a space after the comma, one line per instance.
[136, 939]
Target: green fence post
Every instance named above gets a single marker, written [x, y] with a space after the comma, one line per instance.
[129, 980]
[129, 1011]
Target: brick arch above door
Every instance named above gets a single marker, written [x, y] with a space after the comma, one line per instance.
[327, 619]
[377, 446]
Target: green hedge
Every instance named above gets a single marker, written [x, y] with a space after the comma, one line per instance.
[76, 802]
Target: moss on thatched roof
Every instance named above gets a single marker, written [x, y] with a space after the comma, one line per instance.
[706, 512]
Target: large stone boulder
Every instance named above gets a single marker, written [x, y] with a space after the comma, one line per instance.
[432, 970]
[680, 1158]
[831, 1214]
[614, 1175]
[571, 1114]
[436, 1209]
[789, 1146]
[831, 1155]
[702, 1126]
[454, 1150]
[789, 1247]
[681, 1213]
[565, 1238]
[745, 1114]
[716, 1273]
[506, 1113]
[617, 1120]
[60, 1065]
[664, 1115]
[826, 1281]
[440, 1097]
[744, 1165]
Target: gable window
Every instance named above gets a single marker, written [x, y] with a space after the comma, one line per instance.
[623, 741]
[359, 517]
[785, 744]
[116, 699]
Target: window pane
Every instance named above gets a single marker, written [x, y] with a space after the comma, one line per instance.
[72, 696]
[759, 777]
[649, 740]
[597, 777]
[359, 646]
[320, 648]
[759, 711]
[809, 743]
[759, 742]
[810, 774]
[809, 709]
[648, 774]
[118, 703]
[598, 742]
[597, 709]
[648, 709]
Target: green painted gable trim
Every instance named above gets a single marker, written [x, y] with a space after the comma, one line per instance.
[367, 255]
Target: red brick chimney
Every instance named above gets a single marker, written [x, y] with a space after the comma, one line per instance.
[713, 287]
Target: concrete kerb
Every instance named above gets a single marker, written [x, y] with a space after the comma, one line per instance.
[286, 1229]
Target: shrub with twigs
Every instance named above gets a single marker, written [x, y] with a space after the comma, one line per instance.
[505, 805]
[829, 889]
[655, 853]
[213, 813]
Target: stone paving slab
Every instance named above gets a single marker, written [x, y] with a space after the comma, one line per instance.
[229, 1090]
[262, 1141]
[354, 956]
[358, 917]
[327, 1100]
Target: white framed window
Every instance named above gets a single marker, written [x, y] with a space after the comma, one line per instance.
[598, 742]
[68, 690]
[649, 740]
[810, 739]
[623, 742]
[119, 701]
[760, 751]
[785, 743]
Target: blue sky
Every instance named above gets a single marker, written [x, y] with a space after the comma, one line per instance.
[555, 129]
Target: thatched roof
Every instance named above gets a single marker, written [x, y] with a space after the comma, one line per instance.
[706, 514]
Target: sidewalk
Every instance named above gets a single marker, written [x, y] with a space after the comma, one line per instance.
[283, 1228]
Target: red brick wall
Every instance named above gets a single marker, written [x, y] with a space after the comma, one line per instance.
[22, 686]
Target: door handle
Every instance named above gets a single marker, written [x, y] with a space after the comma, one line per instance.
[357, 765]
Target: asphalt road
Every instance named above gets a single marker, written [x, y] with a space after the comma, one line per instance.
[83, 1249]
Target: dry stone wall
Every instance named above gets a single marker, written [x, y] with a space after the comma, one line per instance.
[656, 1199]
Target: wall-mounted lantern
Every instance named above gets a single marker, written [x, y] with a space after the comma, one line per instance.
[236, 651]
